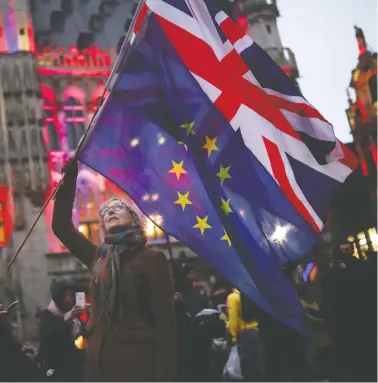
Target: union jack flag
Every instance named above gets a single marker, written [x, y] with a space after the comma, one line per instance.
[204, 128]
[254, 94]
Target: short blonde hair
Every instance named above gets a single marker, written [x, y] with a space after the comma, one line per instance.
[137, 221]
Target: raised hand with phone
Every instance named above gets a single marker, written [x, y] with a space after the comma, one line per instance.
[79, 309]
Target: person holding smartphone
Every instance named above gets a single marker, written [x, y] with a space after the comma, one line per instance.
[60, 325]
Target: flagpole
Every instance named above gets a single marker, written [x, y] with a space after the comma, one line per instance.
[122, 56]
[169, 246]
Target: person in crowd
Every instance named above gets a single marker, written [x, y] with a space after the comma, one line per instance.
[15, 366]
[207, 326]
[195, 298]
[220, 349]
[131, 329]
[244, 330]
[185, 336]
[182, 286]
[288, 353]
[59, 327]
[349, 304]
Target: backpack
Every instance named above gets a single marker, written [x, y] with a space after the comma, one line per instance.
[248, 309]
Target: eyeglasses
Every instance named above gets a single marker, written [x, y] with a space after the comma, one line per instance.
[117, 207]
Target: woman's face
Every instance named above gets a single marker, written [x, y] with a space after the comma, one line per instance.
[67, 301]
[115, 216]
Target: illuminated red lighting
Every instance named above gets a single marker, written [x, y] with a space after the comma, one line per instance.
[243, 22]
[3, 41]
[30, 34]
[287, 70]
[364, 168]
[361, 46]
[90, 62]
[5, 216]
[84, 316]
[68, 72]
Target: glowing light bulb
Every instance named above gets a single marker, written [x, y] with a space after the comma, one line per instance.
[134, 142]
[81, 343]
[161, 139]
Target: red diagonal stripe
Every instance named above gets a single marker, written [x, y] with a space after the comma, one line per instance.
[231, 30]
[349, 159]
[141, 16]
[228, 105]
[280, 175]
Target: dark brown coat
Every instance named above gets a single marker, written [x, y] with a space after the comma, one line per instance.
[135, 349]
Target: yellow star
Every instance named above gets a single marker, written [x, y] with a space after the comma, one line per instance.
[185, 146]
[178, 169]
[226, 238]
[202, 224]
[210, 145]
[183, 200]
[223, 173]
[189, 128]
[226, 206]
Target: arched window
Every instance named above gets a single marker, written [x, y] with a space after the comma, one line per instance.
[75, 120]
[51, 135]
[87, 207]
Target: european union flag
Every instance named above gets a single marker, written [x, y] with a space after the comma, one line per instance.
[159, 133]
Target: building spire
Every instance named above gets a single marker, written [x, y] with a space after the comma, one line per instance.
[361, 41]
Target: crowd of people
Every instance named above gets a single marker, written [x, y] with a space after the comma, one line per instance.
[143, 325]
[208, 327]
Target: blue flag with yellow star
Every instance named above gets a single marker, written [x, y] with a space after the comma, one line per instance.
[160, 133]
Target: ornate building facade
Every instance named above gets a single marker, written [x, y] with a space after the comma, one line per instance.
[362, 117]
[55, 59]
[362, 111]
[23, 158]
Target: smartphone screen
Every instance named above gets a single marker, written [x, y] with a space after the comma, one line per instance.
[80, 299]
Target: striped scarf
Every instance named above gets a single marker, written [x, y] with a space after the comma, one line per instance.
[106, 271]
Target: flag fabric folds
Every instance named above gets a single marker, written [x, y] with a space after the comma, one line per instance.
[242, 168]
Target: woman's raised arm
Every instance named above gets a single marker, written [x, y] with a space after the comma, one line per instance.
[62, 224]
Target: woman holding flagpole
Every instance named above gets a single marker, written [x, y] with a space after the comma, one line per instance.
[131, 329]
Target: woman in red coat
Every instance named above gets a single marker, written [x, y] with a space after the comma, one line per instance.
[131, 329]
